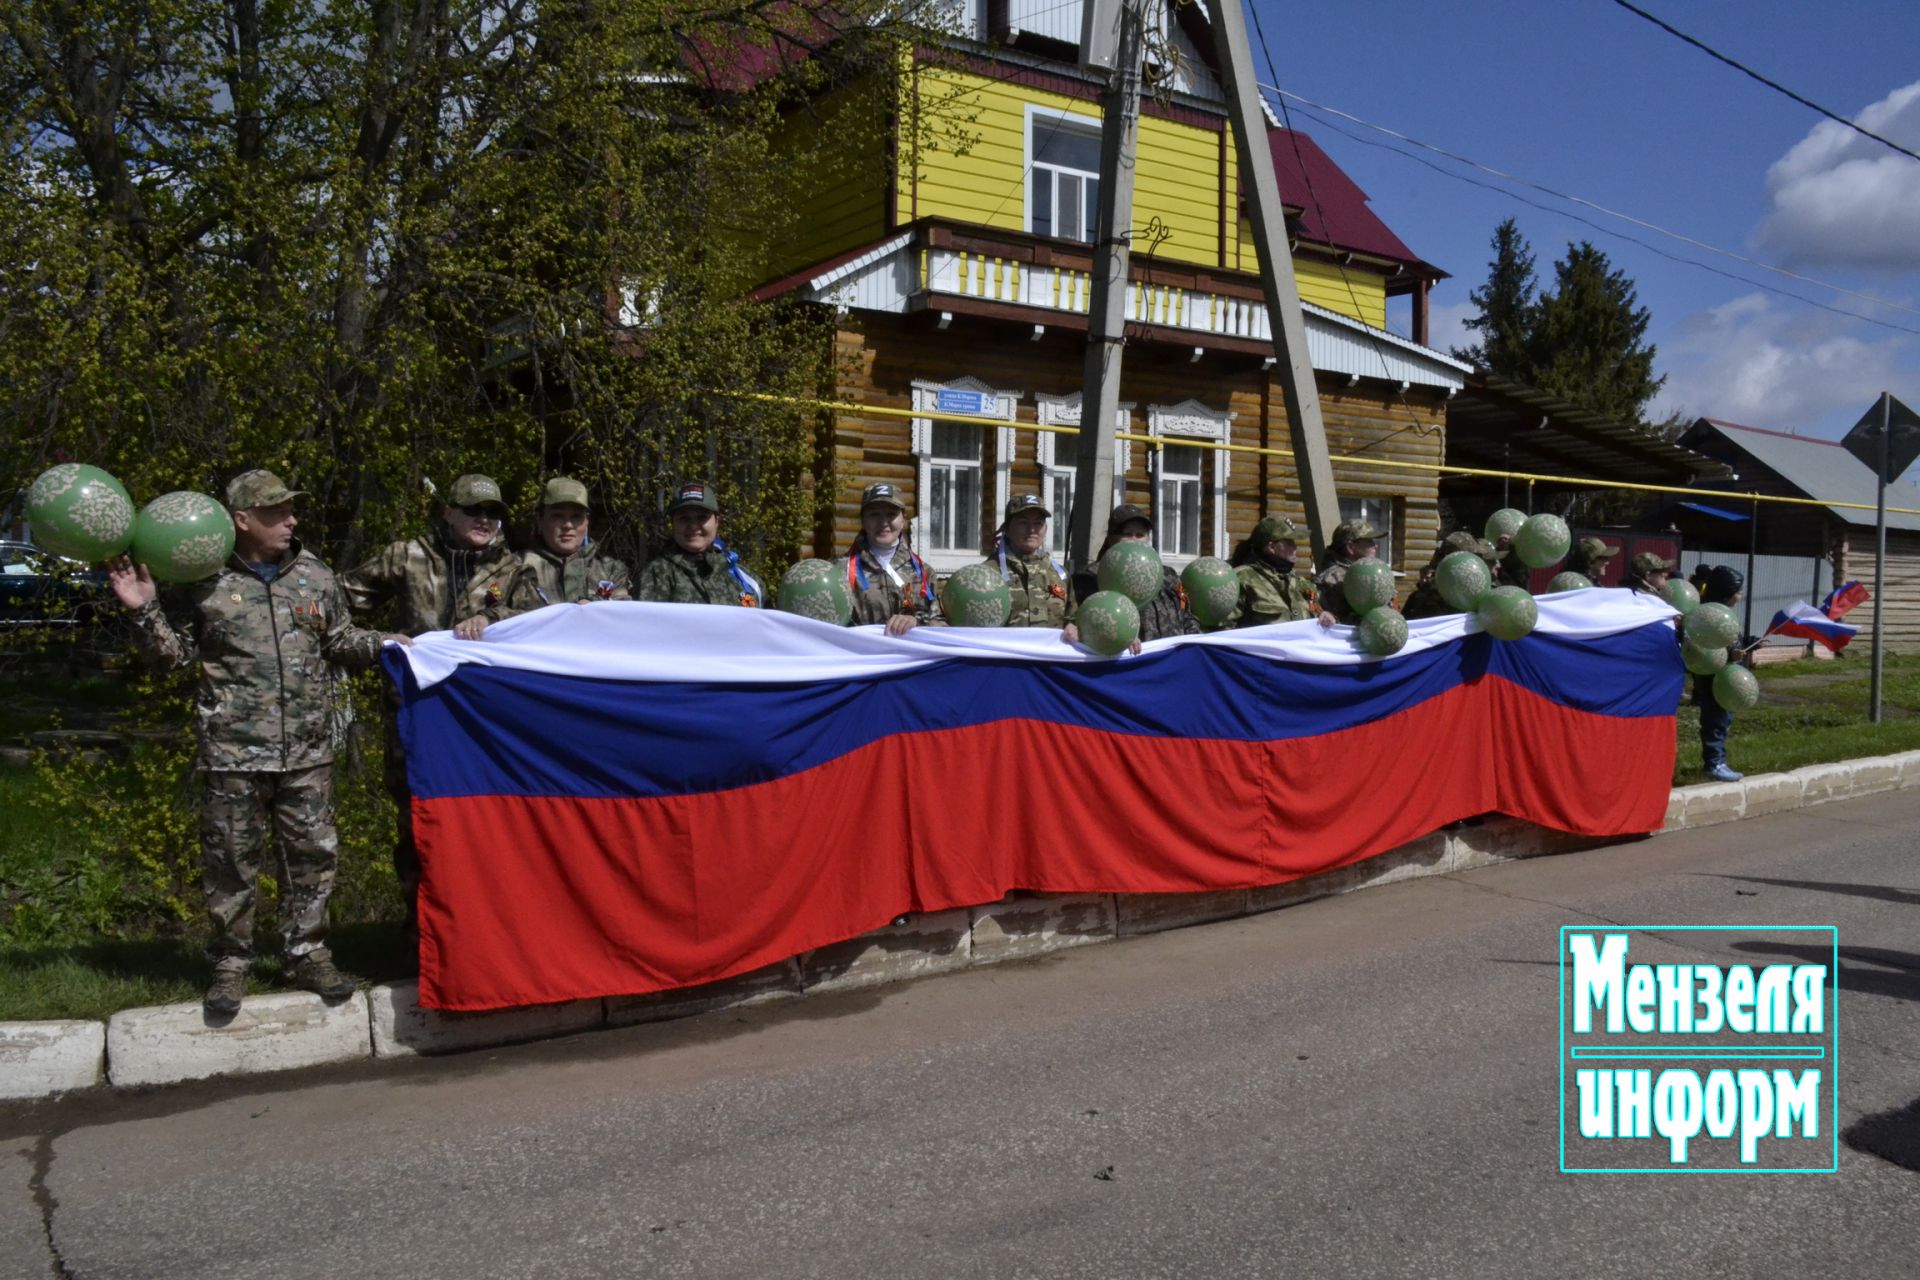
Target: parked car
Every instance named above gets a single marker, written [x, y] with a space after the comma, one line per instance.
[38, 588]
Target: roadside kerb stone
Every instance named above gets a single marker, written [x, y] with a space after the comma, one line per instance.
[39, 1059]
[1154, 912]
[1028, 924]
[1874, 775]
[175, 1042]
[775, 982]
[1773, 793]
[936, 942]
[1909, 768]
[1826, 782]
[1715, 802]
[401, 1027]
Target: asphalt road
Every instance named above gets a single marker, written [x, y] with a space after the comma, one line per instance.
[1364, 1086]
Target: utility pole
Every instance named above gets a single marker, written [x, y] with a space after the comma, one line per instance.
[1111, 37]
[1302, 396]
[1880, 553]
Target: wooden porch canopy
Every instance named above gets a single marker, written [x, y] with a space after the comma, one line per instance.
[1500, 425]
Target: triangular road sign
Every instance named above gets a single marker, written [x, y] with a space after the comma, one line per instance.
[1863, 442]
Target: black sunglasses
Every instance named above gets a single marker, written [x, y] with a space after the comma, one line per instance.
[484, 512]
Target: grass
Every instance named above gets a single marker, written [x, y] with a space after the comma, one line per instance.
[85, 932]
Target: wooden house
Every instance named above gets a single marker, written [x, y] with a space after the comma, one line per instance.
[959, 288]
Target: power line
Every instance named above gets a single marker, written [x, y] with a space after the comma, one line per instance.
[1774, 85]
[1612, 213]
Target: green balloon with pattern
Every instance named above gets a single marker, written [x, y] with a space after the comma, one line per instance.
[1568, 580]
[1504, 523]
[183, 536]
[1507, 613]
[1132, 569]
[1681, 594]
[815, 589]
[1368, 585]
[1702, 662]
[1381, 631]
[1108, 622]
[1736, 688]
[1463, 578]
[976, 596]
[1213, 590]
[80, 512]
[1543, 540]
[1711, 626]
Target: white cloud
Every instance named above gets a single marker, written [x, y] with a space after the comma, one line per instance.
[1841, 199]
[1756, 361]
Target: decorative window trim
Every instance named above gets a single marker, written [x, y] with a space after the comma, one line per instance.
[1064, 411]
[996, 405]
[1191, 420]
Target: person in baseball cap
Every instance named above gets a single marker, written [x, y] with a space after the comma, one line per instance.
[1648, 572]
[1164, 615]
[1352, 541]
[565, 565]
[696, 566]
[1589, 557]
[891, 586]
[1036, 579]
[1270, 589]
[1426, 600]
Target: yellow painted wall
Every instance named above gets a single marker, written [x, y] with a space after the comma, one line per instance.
[1357, 291]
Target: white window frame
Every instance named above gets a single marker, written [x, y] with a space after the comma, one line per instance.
[1064, 411]
[1049, 117]
[1000, 407]
[1178, 424]
[1350, 509]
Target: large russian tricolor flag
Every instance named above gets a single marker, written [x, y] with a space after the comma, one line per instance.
[619, 798]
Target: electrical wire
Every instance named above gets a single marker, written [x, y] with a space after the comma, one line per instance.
[1774, 85]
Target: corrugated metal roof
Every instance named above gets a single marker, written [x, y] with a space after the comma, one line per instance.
[1818, 469]
[1505, 425]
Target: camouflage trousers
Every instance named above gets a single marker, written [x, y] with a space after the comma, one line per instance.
[406, 854]
[236, 813]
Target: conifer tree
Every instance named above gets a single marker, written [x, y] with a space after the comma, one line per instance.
[1506, 303]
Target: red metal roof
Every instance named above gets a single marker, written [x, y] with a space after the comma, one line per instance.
[1334, 208]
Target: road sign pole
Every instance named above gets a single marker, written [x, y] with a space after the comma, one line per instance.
[1880, 554]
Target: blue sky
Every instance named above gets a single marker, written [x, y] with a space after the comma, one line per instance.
[1589, 99]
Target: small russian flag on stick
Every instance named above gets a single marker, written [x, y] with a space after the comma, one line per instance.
[1843, 598]
[1805, 622]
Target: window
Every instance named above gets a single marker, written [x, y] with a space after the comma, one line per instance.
[960, 469]
[1176, 529]
[1064, 194]
[953, 494]
[1058, 457]
[1377, 512]
[1059, 497]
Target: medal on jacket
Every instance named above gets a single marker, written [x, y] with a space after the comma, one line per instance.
[603, 590]
[493, 593]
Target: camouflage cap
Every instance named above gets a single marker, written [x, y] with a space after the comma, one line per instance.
[563, 491]
[1124, 514]
[1026, 502]
[1357, 531]
[258, 488]
[882, 494]
[1648, 562]
[475, 491]
[1594, 549]
[1464, 540]
[694, 495]
[1274, 529]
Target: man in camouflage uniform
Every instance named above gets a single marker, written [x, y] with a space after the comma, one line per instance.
[1353, 540]
[1036, 580]
[1426, 600]
[563, 564]
[697, 568]
[1164, 615]
[1589, 557]
[1648, 572]
[1270, 591]
[266, 631]
[458, 576]
[889, 583]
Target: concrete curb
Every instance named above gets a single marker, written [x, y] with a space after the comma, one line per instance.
[279, 1032]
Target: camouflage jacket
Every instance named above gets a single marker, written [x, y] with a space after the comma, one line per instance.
[674, 577]
[266, 652]
[1426, 602]
[1039, 592]
[1331, 589]
[577, 577]
[882, 598]
[1268, 595]
[1164, 615]
[431, 586]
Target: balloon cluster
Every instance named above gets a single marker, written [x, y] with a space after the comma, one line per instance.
[1369, 590]
[1707, 632]
[82, 513]
[1129, 575]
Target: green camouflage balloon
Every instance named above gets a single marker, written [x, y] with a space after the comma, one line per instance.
[183, 536]
[1381, 632]
[1735, 688]
[1213, 590]
[1507, 613]
[1680, 594]
[976, 596]
[80, 512]
[1108, 622]
[813, 589]
[1703, 662]
[1368, 584]
[1504, 523]
[1542, 540]
[1462, 579]
[1132, 569]
[1569, 581]
[1711, 626]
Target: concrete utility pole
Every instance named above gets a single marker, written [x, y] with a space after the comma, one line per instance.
[1111, 35]
[1269, 220]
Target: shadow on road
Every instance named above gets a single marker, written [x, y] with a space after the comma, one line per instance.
[1874, 971]
[1894, 1136]
[1885, 893]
